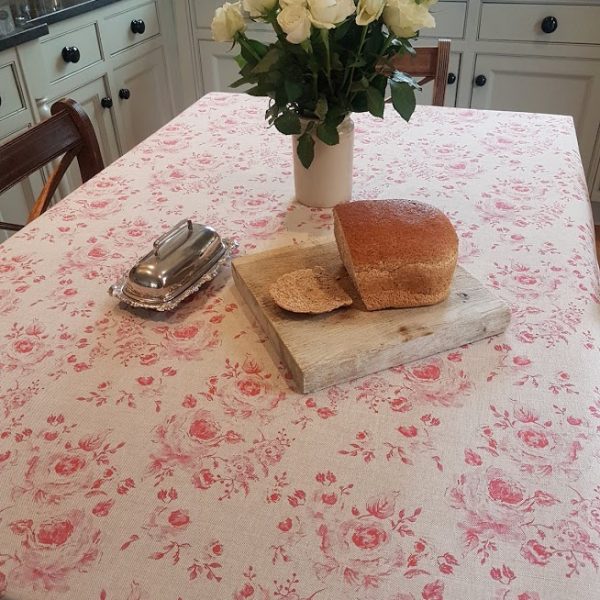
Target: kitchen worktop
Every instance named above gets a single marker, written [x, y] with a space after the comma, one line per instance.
[38, 26]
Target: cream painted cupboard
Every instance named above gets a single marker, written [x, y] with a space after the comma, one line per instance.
[510, 55]
[128, 83]
[15, 116]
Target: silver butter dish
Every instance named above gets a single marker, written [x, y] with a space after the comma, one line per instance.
[181, 262]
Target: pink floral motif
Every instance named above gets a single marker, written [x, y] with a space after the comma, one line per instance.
[358, 550]
[186, 439]
[165, 523]
[53, 475]
[494, 507]
[188, 341]
[537, 448]
[436, 382]
[247, 390]
[53, 549]
[27, 347]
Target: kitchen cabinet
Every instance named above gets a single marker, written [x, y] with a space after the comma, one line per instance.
[556, 85]
[15, 117]
[140, 83]
[119, 62]
[95, 99]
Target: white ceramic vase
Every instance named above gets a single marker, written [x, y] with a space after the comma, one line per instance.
[328, 180]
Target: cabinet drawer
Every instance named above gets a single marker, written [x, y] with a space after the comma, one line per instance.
[84, 41]
[123, 29]
[524, 22]
[10, 96]
[449, 21]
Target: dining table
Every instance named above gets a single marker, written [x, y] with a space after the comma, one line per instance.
[164, 455]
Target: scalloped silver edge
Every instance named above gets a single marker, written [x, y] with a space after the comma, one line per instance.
[117, 289]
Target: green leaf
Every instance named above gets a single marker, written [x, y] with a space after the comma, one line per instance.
[328, 134]
[306, 150]
[403, 99]
[321, 108]
[241, 61]
[258, 47]
[375, 102]
[293, 89]
[288, 123]
[268, 61]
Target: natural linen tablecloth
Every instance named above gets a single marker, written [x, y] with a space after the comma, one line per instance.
[149, 456]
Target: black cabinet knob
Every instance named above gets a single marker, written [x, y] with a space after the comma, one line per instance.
[106, 102]
[480, 80]
[124, 94]
[138, 26]
[451, 78]
[71, 54]
[549, 24]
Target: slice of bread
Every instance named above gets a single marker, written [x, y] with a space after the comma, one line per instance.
[311, 291]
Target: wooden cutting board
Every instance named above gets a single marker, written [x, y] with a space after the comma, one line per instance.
[323, 350]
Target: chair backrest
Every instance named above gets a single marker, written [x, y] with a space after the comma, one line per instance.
[430, 64]
[68, 133]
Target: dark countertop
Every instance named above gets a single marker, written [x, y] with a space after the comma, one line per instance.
[22, 34]
[39, 26]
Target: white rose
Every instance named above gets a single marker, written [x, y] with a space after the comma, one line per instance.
[227, 22]
[284, 3]
[405, 17]
[326, 14]
[295, 22]
[369, 11]
[258, 8]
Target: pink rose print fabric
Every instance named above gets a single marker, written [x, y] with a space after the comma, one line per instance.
[154, 456]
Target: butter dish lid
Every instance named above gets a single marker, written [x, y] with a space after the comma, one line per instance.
[181, 260]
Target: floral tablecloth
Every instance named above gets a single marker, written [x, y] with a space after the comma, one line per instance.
[148, 456]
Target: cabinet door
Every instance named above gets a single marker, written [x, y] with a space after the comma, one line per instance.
[16, 203]
[142, 97]
[219, 69]
[90, 97]
[567, 86]
[424, 97]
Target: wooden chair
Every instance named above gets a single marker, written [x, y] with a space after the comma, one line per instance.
[430, 64]
[68, 133]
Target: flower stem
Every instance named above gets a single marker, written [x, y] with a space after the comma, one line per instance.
[363, 37]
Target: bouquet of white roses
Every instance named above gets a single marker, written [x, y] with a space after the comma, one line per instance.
[331, 58]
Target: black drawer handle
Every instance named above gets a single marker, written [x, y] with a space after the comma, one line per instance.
[451, 78]
[71, 54]
[480, 80]
[106, 102]
[549, 24]
[124, 94]
[138, 26]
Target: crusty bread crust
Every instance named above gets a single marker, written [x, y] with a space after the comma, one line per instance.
[398, 253]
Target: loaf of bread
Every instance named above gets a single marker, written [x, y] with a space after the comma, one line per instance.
[399, 253]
